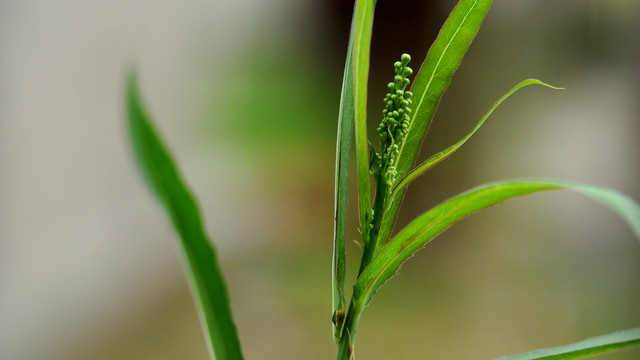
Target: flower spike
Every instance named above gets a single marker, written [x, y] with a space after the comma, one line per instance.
[395, 122]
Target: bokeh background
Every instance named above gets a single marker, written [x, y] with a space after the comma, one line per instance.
[246, 93]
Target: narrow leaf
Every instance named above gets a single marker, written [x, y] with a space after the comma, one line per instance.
[430, 83]
[361, 54]
[363, 20]
[437, 158]
[593, 346]
[205, 277]
[343, 152]
[429, 225]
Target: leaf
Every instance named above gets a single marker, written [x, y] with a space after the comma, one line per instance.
[361, 53]
[429, 225]
[430, 83]
[597, 345]
[437, 158]
[362, 28]
[205, 277]
[343, 153]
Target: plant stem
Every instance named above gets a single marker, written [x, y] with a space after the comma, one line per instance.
[346, 343]
[378, 211]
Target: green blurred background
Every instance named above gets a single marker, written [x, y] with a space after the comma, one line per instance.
[246, 93]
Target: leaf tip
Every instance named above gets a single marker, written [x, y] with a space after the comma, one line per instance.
[539, 82]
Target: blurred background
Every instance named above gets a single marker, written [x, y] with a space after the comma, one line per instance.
[246, 93]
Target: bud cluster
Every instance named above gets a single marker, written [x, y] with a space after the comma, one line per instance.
[395, 123]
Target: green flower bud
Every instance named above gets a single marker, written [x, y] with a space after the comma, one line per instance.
[395, 123]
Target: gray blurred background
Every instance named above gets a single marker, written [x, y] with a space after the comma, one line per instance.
[246, 93]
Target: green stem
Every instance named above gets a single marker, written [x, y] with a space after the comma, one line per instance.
[346, 343]
[375, 243]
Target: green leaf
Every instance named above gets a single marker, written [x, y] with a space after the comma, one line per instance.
[361, 53]
[437, 158]
[430, 83]
[363, 19]
[597, 345]
[205, 277]
[343, 153]
[429, 225]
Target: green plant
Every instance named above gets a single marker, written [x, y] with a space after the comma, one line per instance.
[406, 119]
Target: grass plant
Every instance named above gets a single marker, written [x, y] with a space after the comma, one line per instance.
[385, 174]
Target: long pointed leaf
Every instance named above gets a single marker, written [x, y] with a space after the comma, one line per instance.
[429, 225]
[205, 277]
[361, 54]
[430, 83]
[343, 154]
[593, 346]
[437, 158]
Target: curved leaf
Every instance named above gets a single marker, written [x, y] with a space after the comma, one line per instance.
[429, 225]
[597, 345]
[432, 80]
[437, 158]
[205, 277]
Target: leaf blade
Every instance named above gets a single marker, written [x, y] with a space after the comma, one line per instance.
[343, 155]
[592, 346]
[206, 281]
[437, 158]
[433, 78]
[435, 221]
[361, 55]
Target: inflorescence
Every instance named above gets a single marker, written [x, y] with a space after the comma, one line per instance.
[395, 123]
